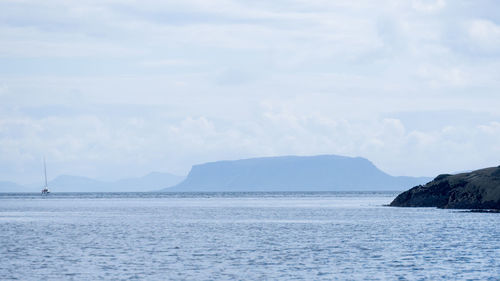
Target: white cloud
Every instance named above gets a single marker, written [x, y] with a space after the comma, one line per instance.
[135, 144]
[122, 87]
[428, 5]
[492, 128]
[442, 77]
[166, 63]
[3, 90]
[484, 34]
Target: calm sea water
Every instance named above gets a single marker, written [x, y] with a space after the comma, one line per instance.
[298, 236]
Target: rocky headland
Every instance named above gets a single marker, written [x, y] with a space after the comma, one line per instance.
[477, 190]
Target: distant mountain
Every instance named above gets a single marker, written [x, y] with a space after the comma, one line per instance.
[7, 186]
[67, 183]
[292, 173]
[149, 182]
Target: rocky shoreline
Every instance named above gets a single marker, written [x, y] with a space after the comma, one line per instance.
[477, 190]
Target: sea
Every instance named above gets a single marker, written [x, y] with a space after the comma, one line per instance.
[241, 236]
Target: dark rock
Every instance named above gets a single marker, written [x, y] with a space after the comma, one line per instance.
[478, 189]
[442, 176]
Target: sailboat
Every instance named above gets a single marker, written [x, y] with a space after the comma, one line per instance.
[45, 190]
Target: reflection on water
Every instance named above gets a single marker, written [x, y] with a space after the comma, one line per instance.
[241, 236]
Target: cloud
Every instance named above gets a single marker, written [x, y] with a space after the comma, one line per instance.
[428, 5]
[3, 90]
[120, 87]
[166, 63]
[102, 145]
[441, 77]
[484, 35]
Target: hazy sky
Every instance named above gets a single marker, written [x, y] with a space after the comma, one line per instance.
[110, 89]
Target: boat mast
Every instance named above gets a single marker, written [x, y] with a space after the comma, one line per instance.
[45, 171]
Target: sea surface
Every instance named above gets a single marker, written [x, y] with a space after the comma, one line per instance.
[241, 236]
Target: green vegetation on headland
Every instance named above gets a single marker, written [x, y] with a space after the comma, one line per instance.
[478, 189]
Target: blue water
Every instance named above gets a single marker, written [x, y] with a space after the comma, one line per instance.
[298, 236]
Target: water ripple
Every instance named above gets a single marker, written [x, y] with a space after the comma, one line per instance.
[320, 236]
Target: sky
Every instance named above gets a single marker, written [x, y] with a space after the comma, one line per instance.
[113, 89]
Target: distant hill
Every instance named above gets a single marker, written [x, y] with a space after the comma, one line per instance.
[292, 173]
[67, 183]
[7, 186]
[149, 182]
